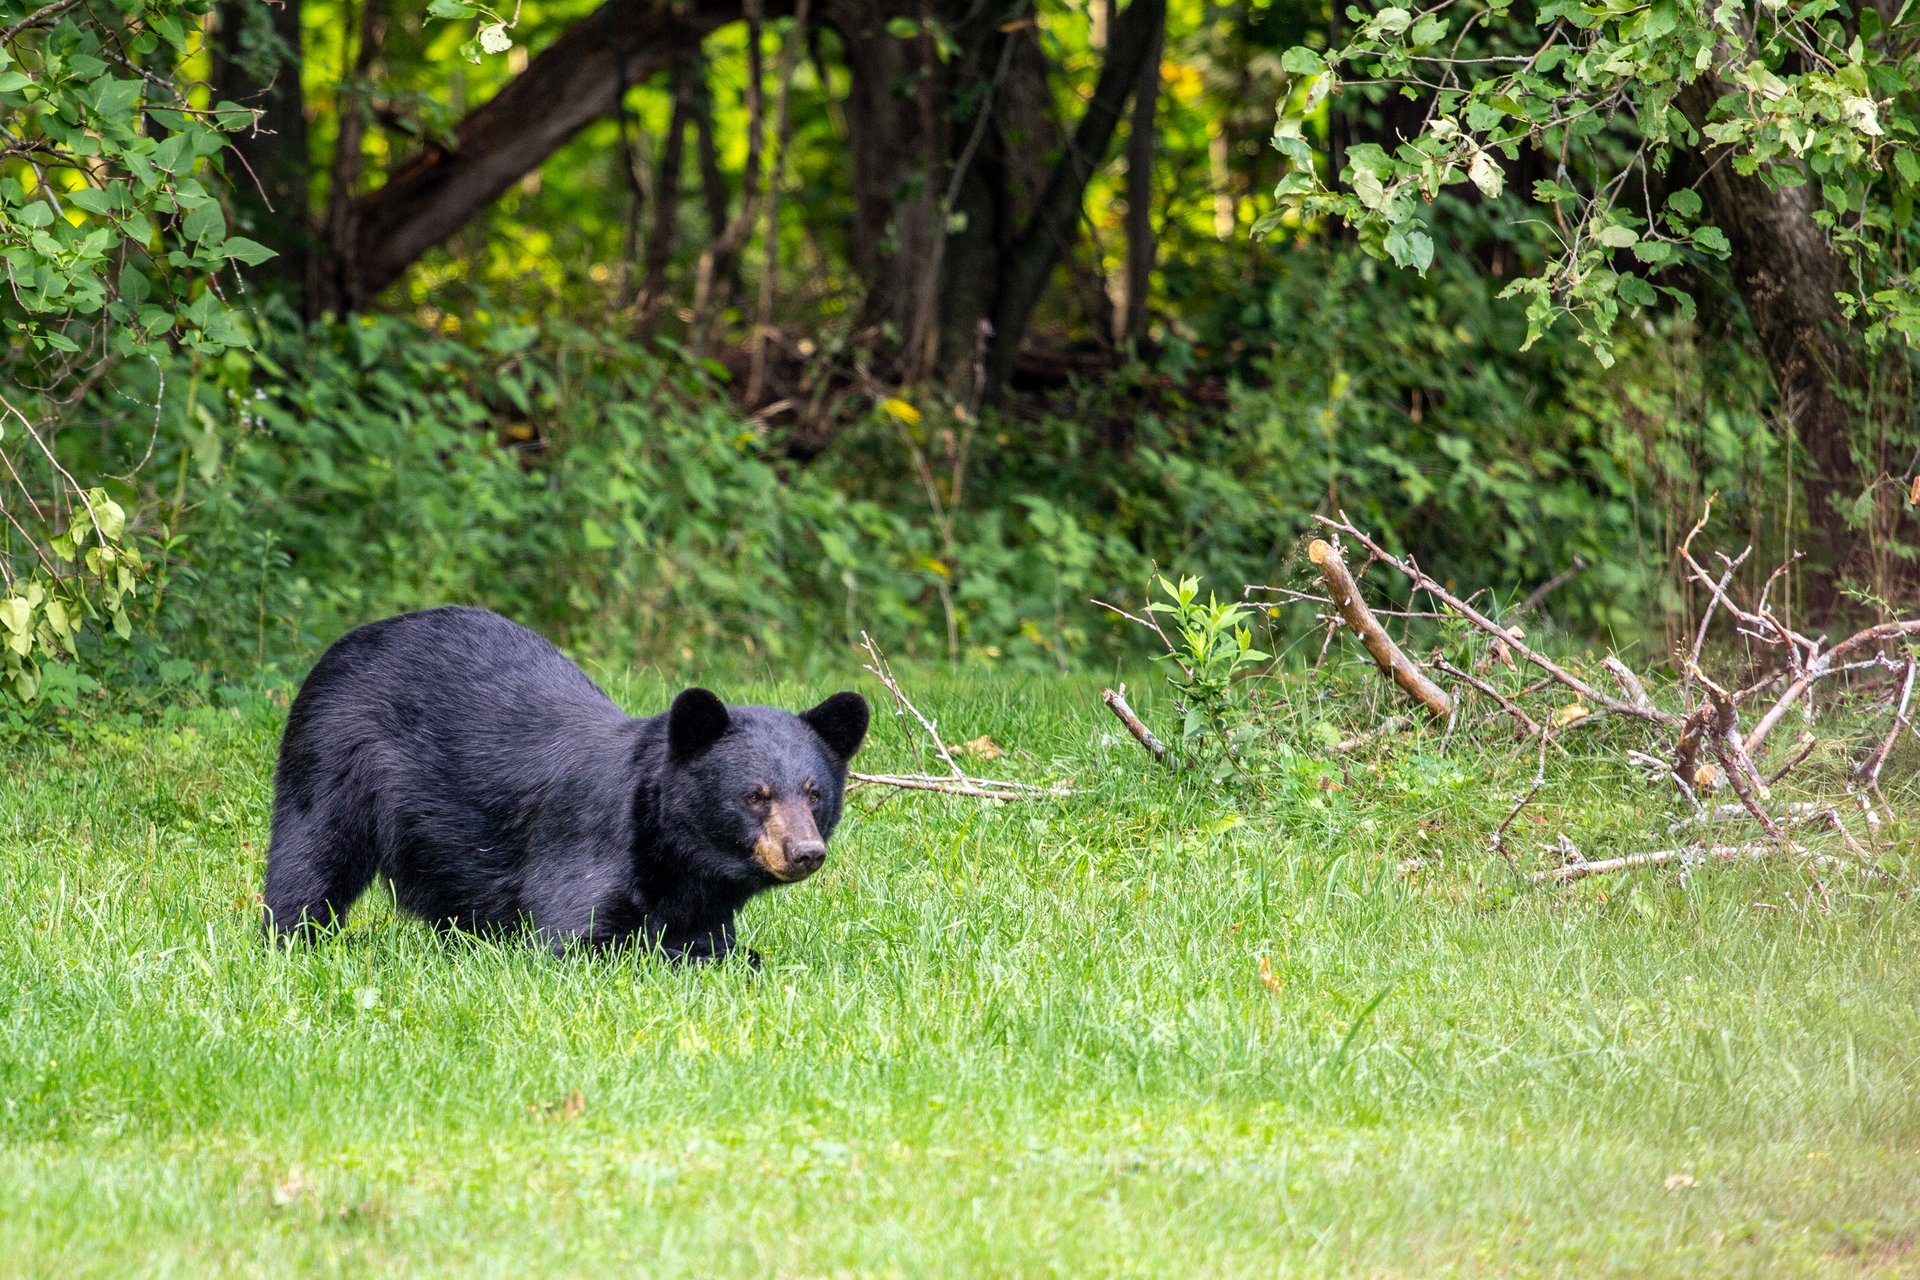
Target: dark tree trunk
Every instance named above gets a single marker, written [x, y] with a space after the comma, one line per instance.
[664, 227]
[256, 63]
[898, 144]
[1142, 146]
[568, 85]
[334, 280]
[1051, 230]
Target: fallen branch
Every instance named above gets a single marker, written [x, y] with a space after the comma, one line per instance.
[978, 788]
[1527, 722]
[1422, 582]
[1823, 666]
[1869, 773]
[1629, 682]
[1658, 857]
[1346, 598]
[1116, 700]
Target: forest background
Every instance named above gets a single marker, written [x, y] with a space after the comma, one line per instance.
[748, 327]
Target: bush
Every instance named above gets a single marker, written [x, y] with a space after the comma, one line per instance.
[610, 495]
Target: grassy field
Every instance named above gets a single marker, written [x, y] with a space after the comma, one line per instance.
[988, 1039]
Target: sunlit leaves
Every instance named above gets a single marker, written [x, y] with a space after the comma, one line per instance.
[1595, 89]
[113, 243]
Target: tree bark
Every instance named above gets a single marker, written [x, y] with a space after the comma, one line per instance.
[664, 225]
[256, 63]
[898, 140]
[1787, 274]
[568, 85]
[333, 287]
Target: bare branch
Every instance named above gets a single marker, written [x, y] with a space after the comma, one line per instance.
[1433, 588]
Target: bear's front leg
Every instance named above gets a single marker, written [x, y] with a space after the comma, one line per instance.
[709, 947]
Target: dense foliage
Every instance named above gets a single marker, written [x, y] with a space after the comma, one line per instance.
[113, 243]
[648, 394]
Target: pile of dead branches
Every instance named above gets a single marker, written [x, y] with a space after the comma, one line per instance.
[1715, 735]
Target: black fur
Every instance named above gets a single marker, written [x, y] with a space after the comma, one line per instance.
[467, 760]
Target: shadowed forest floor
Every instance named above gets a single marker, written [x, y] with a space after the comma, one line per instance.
[988, 1039]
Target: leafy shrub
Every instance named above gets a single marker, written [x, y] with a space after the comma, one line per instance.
[609, 494]
[111, 240]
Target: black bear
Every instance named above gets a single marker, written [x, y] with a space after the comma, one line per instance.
[466, 759]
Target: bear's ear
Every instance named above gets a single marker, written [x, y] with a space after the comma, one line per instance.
[695, 722]
[841, 722]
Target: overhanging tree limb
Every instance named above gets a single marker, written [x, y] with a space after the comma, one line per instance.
[568, 85]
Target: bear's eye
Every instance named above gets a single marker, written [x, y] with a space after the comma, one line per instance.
[813, 793]
[759, 796]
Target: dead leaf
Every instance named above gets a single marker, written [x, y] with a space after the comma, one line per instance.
[1706, 776]
[571, 1107]
[294, 1187]
[1677, 1181]
[982, 748]
[1572, 713]
[1272, 979]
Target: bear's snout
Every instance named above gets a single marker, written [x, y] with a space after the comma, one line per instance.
[790, 847]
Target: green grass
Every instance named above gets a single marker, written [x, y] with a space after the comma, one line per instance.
[1012, 1039]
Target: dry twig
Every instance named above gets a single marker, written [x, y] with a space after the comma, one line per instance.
[1116, 700]
[958, 782]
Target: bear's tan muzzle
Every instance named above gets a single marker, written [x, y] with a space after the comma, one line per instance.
[790, 847]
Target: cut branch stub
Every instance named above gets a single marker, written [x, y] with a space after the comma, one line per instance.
[1346, 598]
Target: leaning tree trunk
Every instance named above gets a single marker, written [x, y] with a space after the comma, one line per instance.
[567, 86]
[1787, 273]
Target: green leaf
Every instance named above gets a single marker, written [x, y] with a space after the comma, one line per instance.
[1390, 21]
[1685, 202]
[108, 514]
[1617, 236]
[91, 199]
[16, 615]
[1486, 175]
[1713, 240]
[251, 252]
[205, 224]
[1907, 162]
[13, 81]
[1302, 61]
[449, 9]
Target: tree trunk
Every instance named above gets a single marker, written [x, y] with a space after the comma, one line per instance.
[1051, 230]
[256, 63]
[664, 226]
[1142, 145]
[568, 85]
[898, 143]
[1787, 274]
[334, 279]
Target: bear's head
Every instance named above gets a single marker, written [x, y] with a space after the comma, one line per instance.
[757, 790]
